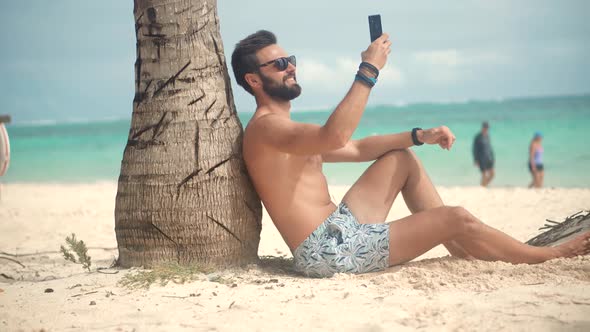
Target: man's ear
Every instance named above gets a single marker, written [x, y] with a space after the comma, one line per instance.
[253, 79]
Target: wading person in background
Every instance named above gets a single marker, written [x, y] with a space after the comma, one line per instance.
[483, 154]
[536, 161]
[284, 160]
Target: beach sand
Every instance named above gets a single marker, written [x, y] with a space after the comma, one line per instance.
[434, 292]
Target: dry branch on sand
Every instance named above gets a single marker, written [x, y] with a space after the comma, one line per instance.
[559, 232]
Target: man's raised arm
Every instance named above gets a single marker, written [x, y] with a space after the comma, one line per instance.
[299, 138]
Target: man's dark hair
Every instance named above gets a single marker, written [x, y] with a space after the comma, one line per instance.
[243, 59]
[485, 124]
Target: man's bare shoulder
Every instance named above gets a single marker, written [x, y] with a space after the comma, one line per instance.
[278, 131]
[262, 123]
[264, 119]
[254, 132]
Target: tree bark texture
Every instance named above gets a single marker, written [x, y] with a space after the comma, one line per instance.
[184, 193]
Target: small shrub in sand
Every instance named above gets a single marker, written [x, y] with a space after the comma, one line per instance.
[79, 248]
[180, 274]
[163, 274]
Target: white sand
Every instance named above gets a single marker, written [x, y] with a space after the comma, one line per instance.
[435, 292]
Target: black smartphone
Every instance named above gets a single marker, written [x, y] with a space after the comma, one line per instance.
[375, 27]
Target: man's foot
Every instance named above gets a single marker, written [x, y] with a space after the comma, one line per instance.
[580, 245]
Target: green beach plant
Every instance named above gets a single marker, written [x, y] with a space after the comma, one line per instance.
[165, 273]
[79, 248]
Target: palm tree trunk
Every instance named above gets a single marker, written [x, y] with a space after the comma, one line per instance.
[184, 194]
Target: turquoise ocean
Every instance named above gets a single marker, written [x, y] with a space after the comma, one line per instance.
[92, 151]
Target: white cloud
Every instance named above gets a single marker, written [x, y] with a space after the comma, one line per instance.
[339, 73]
[391, 74]
[449, 58]
[445, 66]
[315, 71]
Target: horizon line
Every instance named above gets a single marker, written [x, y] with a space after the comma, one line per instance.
[324, 108]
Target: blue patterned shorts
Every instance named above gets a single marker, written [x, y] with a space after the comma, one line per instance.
[342, 244]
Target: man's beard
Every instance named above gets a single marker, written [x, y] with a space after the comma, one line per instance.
[280, 90]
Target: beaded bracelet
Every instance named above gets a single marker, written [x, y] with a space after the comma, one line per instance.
[369, 81]
[370, 67]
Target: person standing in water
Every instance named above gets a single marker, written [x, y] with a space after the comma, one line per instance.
[536, 161]
[483, 155]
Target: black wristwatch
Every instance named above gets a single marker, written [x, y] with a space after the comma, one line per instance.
[415, 137]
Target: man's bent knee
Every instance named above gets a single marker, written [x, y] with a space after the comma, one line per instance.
[401, 155]
[462, 220]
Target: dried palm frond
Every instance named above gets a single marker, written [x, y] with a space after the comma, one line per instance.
[559, 232]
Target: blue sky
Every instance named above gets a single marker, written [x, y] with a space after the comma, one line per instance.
[71, 60]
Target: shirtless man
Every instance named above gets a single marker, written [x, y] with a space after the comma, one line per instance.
[284, 159]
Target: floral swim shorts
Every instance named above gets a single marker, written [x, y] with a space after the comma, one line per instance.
[342, 244]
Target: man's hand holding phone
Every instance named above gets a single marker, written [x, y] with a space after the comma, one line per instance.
[376, 54]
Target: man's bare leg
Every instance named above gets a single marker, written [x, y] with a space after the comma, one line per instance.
[487, 177]
[372, 195]
[414, 235]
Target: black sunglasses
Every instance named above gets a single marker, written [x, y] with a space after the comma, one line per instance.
[281, 63]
